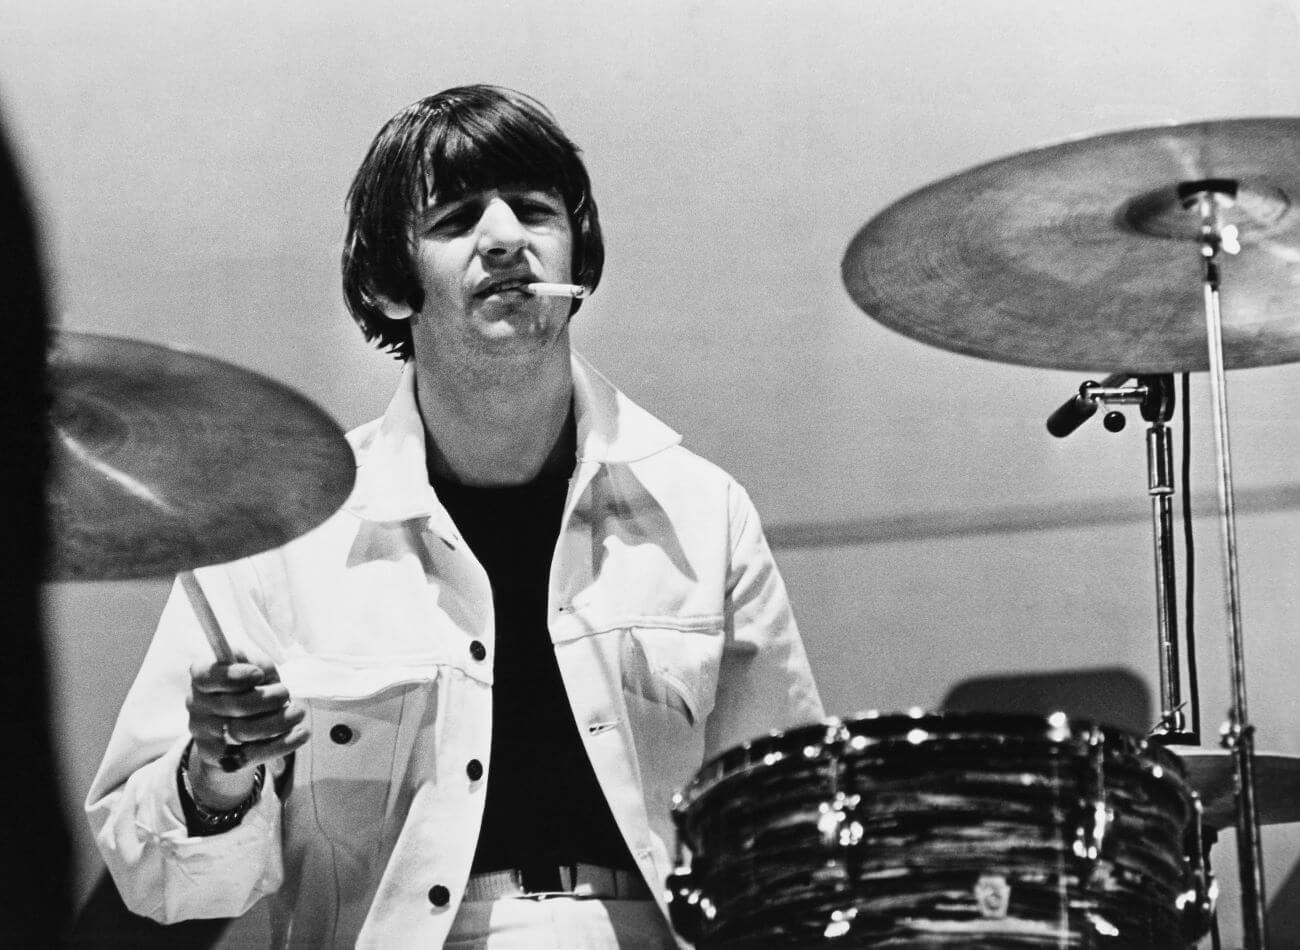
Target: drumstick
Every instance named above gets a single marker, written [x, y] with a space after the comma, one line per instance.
[232, 756]
[576, 291]
[207, 619]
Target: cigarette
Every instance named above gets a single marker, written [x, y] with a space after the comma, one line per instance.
[557, 290]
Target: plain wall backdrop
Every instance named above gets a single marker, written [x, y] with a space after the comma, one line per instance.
[190, 161]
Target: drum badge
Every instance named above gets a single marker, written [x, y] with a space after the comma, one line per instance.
[992, 896]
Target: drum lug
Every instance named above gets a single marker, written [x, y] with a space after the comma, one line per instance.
[837, 823]
[1091, 834]
[1197, 903]
[1092, 838]
[686, 906]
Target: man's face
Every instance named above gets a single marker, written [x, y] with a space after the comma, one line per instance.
[472, 256]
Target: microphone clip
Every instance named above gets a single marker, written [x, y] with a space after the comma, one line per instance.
[1154, 394]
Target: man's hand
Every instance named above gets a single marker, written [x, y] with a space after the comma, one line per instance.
[244, 705]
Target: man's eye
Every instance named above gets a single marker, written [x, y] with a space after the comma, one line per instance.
[537, 211]
[452, 221]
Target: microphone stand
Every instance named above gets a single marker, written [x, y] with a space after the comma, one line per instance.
[1155, 396]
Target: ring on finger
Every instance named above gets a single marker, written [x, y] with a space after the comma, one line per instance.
[232, 759]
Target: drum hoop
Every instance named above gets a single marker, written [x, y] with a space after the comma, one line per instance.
[829, 736]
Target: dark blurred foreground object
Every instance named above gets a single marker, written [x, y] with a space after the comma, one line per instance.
[104, 923]
[36, 875]
[165, 460]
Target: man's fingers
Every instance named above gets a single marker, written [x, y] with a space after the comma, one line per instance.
[251, 702]
[240, 714]
[234, 678]
[271, 725]
[208, 708]
[246, 723]
[254, 753]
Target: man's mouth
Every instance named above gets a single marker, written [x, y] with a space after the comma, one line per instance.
[516, 285]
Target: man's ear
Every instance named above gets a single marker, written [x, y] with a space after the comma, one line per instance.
[394, 310]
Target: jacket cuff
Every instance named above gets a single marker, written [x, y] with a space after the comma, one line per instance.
[195, 876]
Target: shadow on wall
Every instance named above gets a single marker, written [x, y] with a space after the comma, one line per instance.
[1110, 696]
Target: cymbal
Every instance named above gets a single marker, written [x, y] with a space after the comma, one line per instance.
[1080, 255]
[165, 460]
[1277, 785]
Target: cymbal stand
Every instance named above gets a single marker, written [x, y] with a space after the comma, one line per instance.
[1154, 395]
[1208, 199]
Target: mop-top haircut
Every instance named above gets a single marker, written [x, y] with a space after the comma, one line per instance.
[443, 147]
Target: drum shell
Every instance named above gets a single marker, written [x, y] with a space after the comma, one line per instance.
[941, 830]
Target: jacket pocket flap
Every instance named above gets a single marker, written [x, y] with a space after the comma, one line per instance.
[318, 677]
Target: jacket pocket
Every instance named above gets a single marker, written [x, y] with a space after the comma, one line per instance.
[346, 777]
[676, 668]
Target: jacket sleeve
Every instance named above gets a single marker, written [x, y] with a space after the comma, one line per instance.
[134, 806]
[765, 682]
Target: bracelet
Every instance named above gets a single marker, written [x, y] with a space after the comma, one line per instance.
[208, 820]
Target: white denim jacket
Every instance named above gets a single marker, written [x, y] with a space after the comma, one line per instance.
[671, 627]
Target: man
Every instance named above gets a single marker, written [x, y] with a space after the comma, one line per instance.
[478, 685]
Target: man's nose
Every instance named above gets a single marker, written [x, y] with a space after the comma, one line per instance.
[500, 232]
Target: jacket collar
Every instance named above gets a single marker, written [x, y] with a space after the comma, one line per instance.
[392, 479]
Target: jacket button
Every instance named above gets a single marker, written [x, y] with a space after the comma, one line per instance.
[474, 770]
[439, 896]
[341, 734]
[478, 651]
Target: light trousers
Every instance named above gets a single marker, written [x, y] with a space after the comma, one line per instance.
[559, 923]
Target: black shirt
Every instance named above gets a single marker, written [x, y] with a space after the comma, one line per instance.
[544, 806]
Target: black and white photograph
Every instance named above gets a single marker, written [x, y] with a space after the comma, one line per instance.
[652, 475]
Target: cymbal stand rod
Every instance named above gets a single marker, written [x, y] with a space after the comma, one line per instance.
[1162, 521]
[1238, 734]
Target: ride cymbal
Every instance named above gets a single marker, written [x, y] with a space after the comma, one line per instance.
[164, 460]
[1081, 256]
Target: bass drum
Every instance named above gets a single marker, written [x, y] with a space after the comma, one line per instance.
[940, 831]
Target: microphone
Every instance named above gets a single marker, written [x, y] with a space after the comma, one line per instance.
[1077, 410]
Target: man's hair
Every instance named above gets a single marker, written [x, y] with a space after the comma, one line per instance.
[446, 146]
